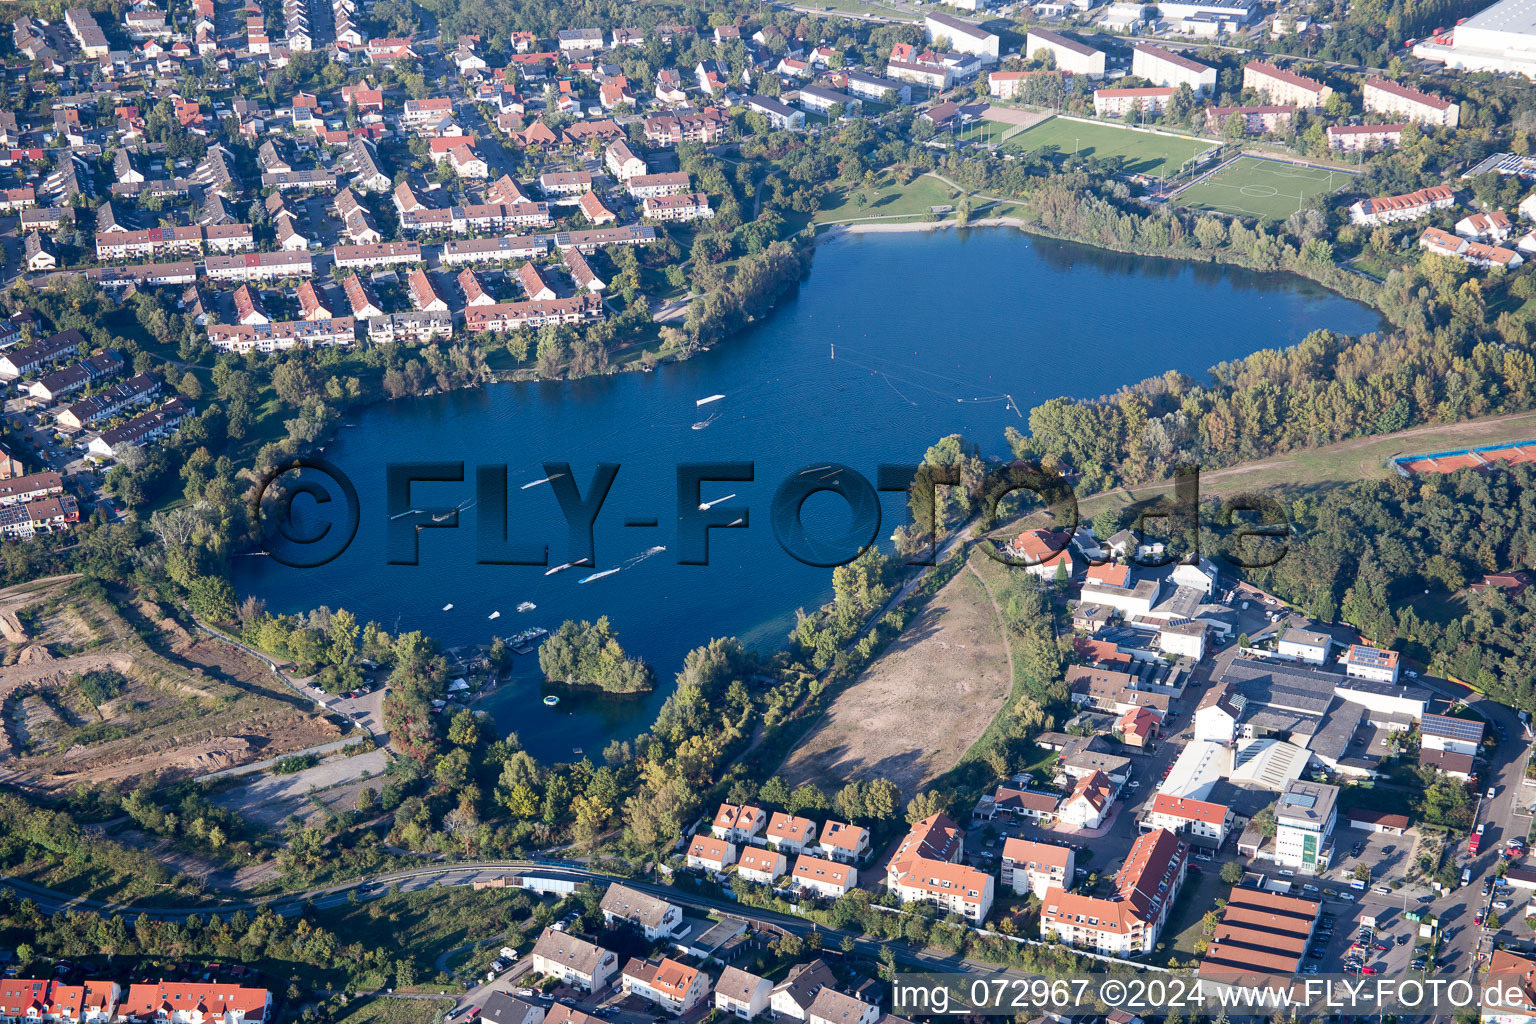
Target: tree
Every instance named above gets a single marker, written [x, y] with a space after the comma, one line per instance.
[1264, 822]
[1231, 872]
[926, 804]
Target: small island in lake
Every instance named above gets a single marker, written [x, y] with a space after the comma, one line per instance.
[588, 654]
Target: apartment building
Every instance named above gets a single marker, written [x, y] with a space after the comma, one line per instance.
[1031, 867]
[1282, 86]
[1394, 100]
[1130, 921]
[925, 867]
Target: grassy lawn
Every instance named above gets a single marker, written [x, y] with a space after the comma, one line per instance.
[1141, 152]
[1380, 264]
[858, 7]
[385, 1010]
[887, 200]
[1200, 893]
[1250, 187]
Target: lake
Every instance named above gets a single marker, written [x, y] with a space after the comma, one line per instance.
[934, 333]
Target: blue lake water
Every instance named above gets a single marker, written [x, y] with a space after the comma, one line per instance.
[931, 330]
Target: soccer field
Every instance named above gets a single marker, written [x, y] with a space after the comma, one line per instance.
[1252, 187]
[1142, 152]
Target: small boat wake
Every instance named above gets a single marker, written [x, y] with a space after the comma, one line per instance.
[536, 483]
[526, 606]
[704, 423]
[628, 563]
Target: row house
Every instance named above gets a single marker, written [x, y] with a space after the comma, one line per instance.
[121, 245]
[21, 522]
[316, 180]
[1412, 206]
[533, 284]
[1485, 227]
[493, 250]
[383, 254]
[691, 206]
[196, 1003]
[259, 266]
[360, 296]
[508, 316]
[18, 490]
[423, 293]
[581, 271]
[312, 304]
[282, 335]
[28, 359]
[1477, 254]
[789, 832]
[413, 328]
[70, 379]
[592, 208]
[461, 220]
[595, 238]
[135, 391]
[474, 291]
[149, 426]
[143, 274]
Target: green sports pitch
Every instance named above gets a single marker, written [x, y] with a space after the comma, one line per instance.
[1253, 187]
[1141, 152]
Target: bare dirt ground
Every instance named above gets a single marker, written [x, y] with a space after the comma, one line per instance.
[188, 705]
[913, 714]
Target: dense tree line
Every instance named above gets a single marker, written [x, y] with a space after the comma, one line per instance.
[1369, 551]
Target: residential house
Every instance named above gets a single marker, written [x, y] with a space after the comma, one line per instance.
[709, 854]
[1412, 206]
[792, 997]
[761, 866]
[738, 823]
[674, 987]
[790, 833]
[574, 961]
[1286, 87]
[1089, 802]
[825, 878]
[843, 842]
[655, 918]
[742, 994]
